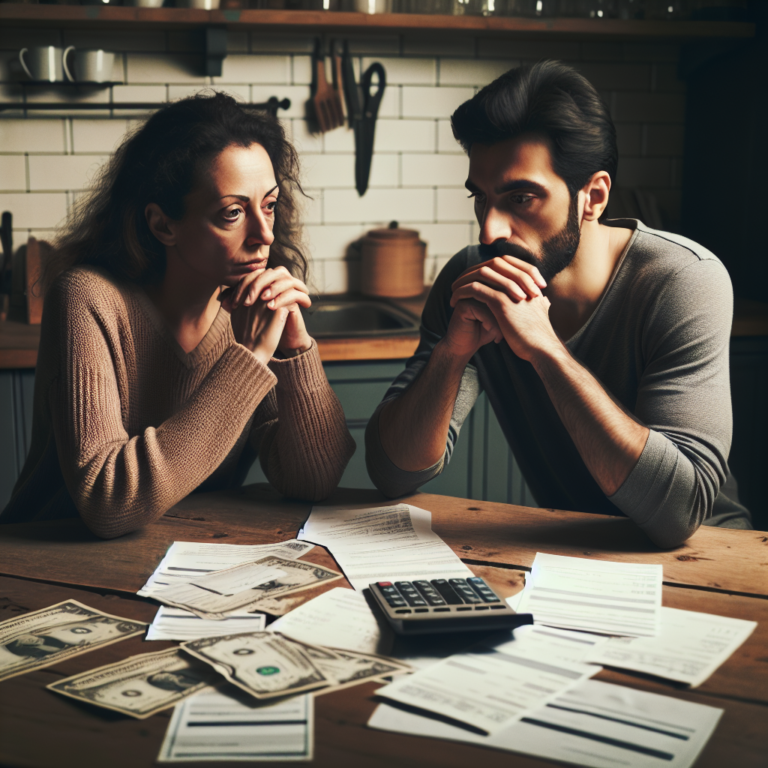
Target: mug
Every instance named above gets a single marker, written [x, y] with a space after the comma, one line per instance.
[205, 5]
[90, 66]
[373, 6]
[45, 62]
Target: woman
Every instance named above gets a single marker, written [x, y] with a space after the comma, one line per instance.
[173, 349]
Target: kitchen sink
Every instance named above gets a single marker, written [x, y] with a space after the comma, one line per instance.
[333, 317]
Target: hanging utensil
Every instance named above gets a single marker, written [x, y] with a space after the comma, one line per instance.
[338, 83]
[327, 109]
[351, 90]
[365, 127]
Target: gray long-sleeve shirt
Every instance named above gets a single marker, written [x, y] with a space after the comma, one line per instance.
[658, 342]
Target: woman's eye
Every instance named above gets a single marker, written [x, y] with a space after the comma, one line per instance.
[270, 206]
[232, 214]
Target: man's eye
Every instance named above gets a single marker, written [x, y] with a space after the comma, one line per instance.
[521, 199]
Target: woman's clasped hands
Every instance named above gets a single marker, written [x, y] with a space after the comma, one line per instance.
[266, 312]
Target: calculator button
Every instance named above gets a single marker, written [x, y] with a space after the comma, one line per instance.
[408, 591]
[467, 593]
[486, 593]
[429, 593]
[446, 591]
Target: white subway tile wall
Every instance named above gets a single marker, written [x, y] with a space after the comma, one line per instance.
[418, 171]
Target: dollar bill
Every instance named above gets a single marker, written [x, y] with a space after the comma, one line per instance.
[203, 597]
[265, 664]
[348, 668]
[141, 685]
[42, 638]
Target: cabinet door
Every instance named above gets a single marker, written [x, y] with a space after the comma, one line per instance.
[16, 398]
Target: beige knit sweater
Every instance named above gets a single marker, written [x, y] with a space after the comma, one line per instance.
[126, 424]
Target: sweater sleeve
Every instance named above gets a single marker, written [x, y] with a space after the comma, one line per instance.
[684, 399]
[120, 483]
[300, 432]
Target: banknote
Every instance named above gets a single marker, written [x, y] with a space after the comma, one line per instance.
[204, 598]
[42, 638]
[265, 664]
[141, 685]
[348, 668]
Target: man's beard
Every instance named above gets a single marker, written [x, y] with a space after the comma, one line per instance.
[557, 252]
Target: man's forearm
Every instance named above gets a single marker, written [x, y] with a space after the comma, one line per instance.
[608, 439]
[414, 428]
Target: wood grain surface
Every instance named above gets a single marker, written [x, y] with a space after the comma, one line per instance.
[77, 735]
[482, 533]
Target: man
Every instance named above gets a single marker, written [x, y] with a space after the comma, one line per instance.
[602, 345]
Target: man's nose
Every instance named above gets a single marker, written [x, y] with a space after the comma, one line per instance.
[259, 230]
[494, 226]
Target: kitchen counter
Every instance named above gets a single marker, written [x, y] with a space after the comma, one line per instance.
[19, 341]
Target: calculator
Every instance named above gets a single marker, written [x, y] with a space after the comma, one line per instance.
[444, 605]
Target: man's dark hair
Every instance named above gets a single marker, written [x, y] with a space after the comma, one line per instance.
[551, 100]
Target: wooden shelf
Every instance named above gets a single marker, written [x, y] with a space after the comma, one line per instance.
[316, 22]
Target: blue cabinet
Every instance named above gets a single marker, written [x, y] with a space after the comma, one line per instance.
[482, 466]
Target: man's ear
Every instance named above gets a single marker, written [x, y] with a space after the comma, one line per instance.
[596, 193]
[159, 224]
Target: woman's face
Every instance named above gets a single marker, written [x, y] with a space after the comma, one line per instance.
[227, 226]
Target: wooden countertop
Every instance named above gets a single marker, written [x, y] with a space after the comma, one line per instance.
[19, 341]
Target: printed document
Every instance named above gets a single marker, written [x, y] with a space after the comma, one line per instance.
[487, 689]
[339, 618]
[214, 726]
[594, 595]
[595, 724]
[689, 647]
[186, 560]
[392, 543]
[177, 624]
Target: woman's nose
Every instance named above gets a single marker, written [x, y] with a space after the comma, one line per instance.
[259, 230]
[494, 226]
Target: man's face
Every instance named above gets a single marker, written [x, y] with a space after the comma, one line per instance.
[523, 207]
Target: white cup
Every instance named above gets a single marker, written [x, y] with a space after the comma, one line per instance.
[373, 6]
[205, 5]
[43, 62]
[145, 3]
[89, 66]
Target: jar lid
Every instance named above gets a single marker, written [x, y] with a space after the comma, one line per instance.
[393, 232]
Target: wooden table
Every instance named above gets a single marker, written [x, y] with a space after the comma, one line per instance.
[716, 571]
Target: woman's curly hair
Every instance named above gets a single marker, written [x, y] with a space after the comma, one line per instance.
[159, 162]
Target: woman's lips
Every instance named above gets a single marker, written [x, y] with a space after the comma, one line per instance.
[251, 266]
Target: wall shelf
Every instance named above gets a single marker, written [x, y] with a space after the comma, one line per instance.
[314, 22]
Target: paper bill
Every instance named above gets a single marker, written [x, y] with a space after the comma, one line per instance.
[210, 604]
[215, 726]
[594, 595]
[141, 685]
[556, 644]
[390, 543]
[345, 668]
[264, 664]
[487, 689]
[689, 648]
[186, 560]
[42, 638]
[178, 624]
[339, 618]
[594, 724]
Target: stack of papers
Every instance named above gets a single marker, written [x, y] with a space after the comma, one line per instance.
[689, 648]
[486, 688]
[215, 726]
[339, 618]
[177, 624]
[594, 595]
[393, 543]
[594, 724]
[187, 560]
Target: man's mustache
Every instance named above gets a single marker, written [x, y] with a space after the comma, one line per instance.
[503, 248]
